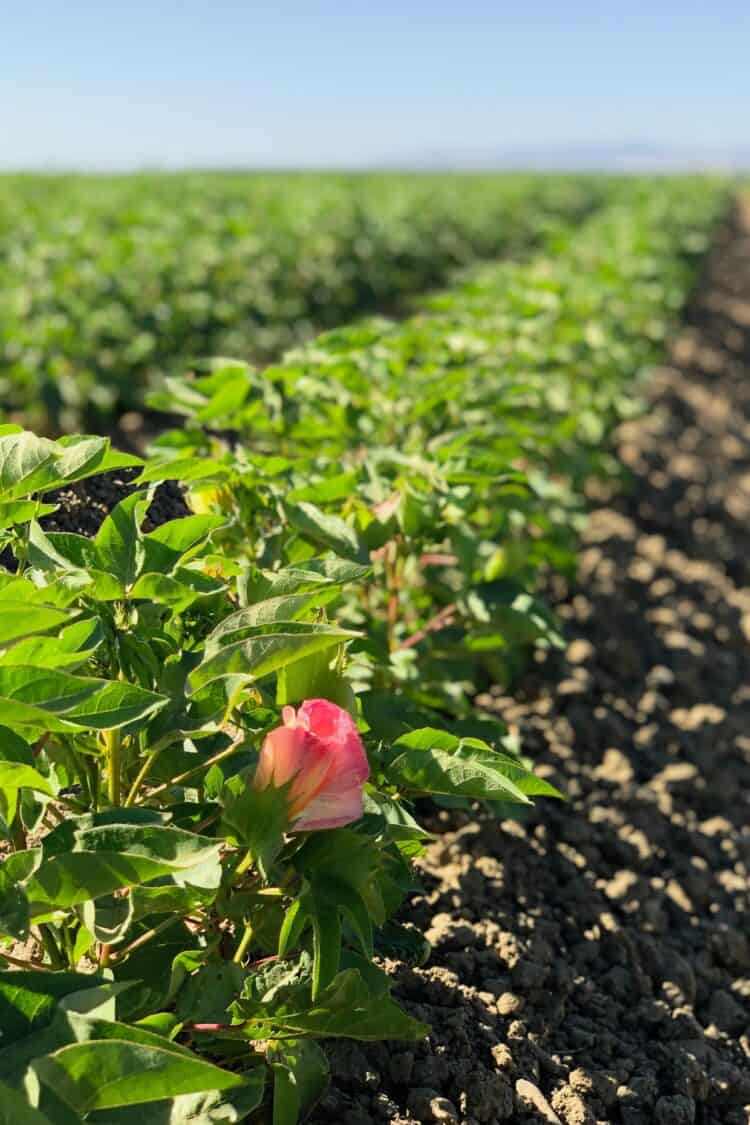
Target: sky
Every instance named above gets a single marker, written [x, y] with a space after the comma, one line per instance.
[173, 83]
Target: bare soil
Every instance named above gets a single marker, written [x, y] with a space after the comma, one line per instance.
[592, 964]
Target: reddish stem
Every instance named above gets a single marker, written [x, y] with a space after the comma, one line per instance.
[440, 621]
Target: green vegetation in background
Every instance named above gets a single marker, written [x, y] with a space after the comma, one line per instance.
[455, 444]
[106, 283]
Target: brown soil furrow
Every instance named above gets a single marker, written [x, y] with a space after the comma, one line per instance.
[593, 963]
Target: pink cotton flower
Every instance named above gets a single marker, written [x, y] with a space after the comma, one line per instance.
[319, 750]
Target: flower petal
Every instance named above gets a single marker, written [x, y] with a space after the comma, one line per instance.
[331, 810]
[282, 756]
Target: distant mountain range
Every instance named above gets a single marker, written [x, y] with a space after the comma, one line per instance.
[636, 156]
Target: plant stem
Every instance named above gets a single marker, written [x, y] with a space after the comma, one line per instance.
[69, 947]
[144, 938]
[242, 948]
[440, 621]
[113, 742]
[94, 783]
[243, 865]
[141, 776]
[19, 963]
[178, 780]
[50, 946]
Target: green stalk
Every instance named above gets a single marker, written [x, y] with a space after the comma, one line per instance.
[141, 776]
[57, 960]
[178, 780]
[242, 948]
[121, 954]
[113, 743]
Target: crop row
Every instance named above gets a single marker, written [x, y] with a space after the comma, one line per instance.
[106, 283]
[215, 728]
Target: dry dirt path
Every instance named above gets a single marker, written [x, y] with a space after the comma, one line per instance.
[593, 964]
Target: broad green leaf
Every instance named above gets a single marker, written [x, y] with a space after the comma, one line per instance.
[28, 999]
[19, 619]
[72, 647]
[23, 511]
[260, 655]
[15, 1109]
[114, 1072]
[301, 1074]
[26, 463]
[216, 1107]
[287, 607]
[325, 530]
[17, 775]
[167, 546]
[316, 677]
[206, 996]
[258, 585]
[83, 457]
[109, 857]
[55, 700]
[15, 916]
[108, 918]
[178, 592]
[432, 761]
[16, 754]
[345, 1009]
[256, 819]
[119, 543]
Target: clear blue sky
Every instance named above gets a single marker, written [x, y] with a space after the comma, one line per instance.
[122, 83]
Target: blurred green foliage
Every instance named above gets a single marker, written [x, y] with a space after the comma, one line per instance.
[108, 282]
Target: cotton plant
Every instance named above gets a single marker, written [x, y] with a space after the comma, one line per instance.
[206, 837]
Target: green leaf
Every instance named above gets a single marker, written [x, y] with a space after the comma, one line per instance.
[257, 819]
[26, 462]
[15, 1109]
[403, 943]
[28, 999]
[19, 619]
[23, 511]
[178, 591]
[167, 546]
[17, 775]
[433, 761]
[287, 607]
[208, 993]
[102, 1074]
[301, 1075]
[260, 655]
[346, 1009]
[109, 918]
[15, 916]
[257, 585]
[119, 543]
[326, 943]
[70, 648]
[58, 701]
[315, 677]
[325, 530]
[293, 926]
[216, 1107]
[109, 857]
